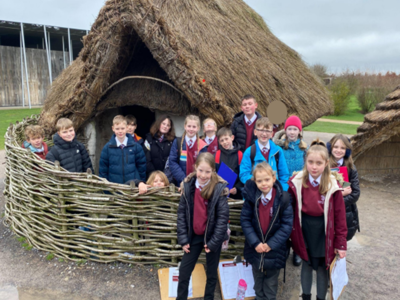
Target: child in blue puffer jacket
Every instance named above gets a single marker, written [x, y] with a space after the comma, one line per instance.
[122, 159]
[293, 146]
[294, 150]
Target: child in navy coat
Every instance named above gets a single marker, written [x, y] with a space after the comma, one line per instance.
[122, 159]
[266, 219]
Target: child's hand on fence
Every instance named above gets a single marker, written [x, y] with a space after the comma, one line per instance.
[266, 247]
[346, 191]
[233, 191]
[206, 249]
[186, 248]
[342, 253]
[143, 188]
[260, 248]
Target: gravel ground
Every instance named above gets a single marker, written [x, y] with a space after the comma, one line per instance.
[373, 258]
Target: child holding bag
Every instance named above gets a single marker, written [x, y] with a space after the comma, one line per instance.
[203, 215]
[319, 224]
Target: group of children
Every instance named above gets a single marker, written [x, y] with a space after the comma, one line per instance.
[288, 189]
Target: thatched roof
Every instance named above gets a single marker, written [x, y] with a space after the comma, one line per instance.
[379, 125]
[212, 51]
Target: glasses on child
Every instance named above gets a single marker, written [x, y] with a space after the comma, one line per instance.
[264, 131]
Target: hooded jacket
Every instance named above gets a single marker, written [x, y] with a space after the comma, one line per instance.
[122, 165]
[238, 128]
[217, 214]
[72, 156]
[334, 219]
[282, 172]
[294, 156]
[41, 154]
[278, 231]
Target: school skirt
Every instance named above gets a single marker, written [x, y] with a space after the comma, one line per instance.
[314, 237]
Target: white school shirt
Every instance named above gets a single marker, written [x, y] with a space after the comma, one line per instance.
[251, 120]
[193, 139]
[125, 142]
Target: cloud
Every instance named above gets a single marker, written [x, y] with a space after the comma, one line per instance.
[357, 34]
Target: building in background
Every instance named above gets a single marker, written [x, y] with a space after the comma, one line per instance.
[31, 57]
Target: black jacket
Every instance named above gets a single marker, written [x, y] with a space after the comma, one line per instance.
[238, 128]
[217, 214]
[353, 223]
[278, 231]
[230, 158]
[156, 153]
[72, 155]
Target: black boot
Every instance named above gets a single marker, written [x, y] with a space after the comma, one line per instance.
[306, 297]
[320, 298]
[296, 260]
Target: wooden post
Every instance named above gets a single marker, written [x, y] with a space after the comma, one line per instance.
[134, 219]
[63, 210]
[173, 241]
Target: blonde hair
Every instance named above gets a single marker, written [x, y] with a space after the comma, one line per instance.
[118, 119]
[64, 123]
[187, 119]
[153, 176]
[348, 161]
[208, 158]
[263, 167]
[264, 122]
[33, 131]
[212, 120]
[319, 147]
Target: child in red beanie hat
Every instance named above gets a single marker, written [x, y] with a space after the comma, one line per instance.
[294, 149]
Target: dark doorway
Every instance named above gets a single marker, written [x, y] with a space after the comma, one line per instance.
[144, 116]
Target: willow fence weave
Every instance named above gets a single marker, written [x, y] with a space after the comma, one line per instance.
[82, 216]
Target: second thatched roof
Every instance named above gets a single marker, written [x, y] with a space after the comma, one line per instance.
[212, 51]
[379, 125]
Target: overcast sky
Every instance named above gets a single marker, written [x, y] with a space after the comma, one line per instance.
[342, 34]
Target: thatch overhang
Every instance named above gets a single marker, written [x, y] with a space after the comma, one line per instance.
[212, 51]
[379, 126]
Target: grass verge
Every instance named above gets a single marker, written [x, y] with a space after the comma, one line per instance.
[352, 113]
[11, 116]
[332, 127]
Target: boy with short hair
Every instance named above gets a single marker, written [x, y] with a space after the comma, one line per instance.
[243, 123]
[264, 149]
[122, 159]
[231, 156]
[71, 154]
[131, 127]
[34, 135]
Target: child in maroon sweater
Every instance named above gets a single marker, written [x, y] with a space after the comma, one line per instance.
[210, 137]
[203, 216]
[319, 224]
[34, 141]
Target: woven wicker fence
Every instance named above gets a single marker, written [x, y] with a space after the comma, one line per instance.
[81, 216]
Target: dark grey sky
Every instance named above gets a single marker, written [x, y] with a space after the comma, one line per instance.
[342, 34]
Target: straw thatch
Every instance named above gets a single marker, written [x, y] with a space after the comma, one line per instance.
[377, 143]
[213, 52]
[49, 207]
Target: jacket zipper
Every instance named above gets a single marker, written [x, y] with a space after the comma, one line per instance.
[208, 221]
[187, 205]
[123, 169]
[263, 237]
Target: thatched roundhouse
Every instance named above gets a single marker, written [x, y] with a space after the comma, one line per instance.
[178, 56]
[376, 147]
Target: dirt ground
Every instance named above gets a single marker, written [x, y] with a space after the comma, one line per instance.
[373, 261]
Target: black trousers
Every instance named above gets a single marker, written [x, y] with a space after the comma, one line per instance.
[189, 262]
